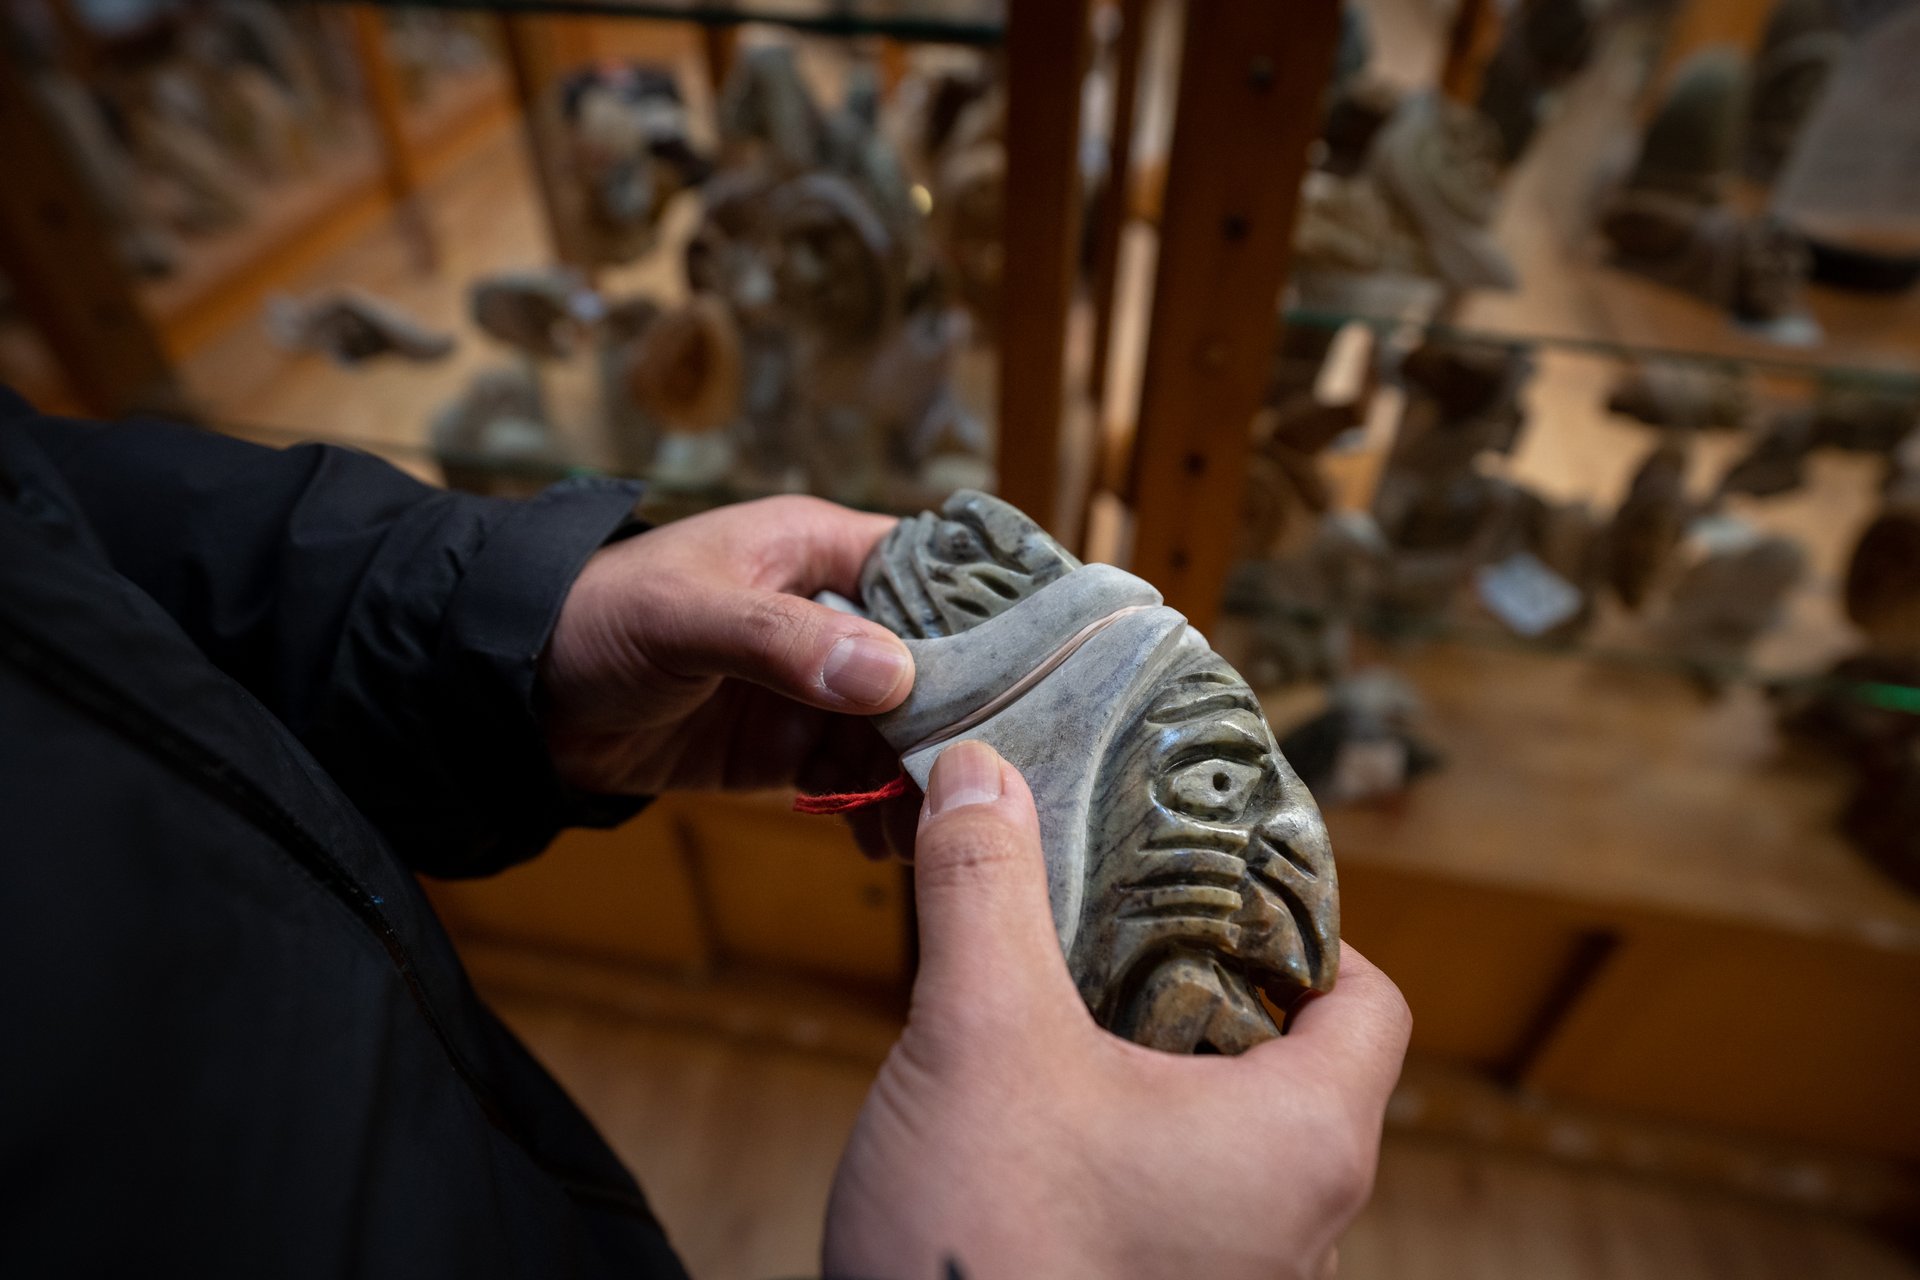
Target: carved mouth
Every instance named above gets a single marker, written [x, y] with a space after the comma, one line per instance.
[1184, 1001]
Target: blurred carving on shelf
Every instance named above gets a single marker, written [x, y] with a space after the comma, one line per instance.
[1803, 43]
[1683, 395]
[1649, 524]
[350, 326]
[495, 437]
[1365, 747]
[629, 151]
[1731, 590]
[544, 314]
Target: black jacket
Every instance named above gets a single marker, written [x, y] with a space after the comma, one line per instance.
[244, 695]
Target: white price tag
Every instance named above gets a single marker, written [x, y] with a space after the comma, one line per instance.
[1526, 595]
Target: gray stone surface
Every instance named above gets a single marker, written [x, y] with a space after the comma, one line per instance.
[1188, 867]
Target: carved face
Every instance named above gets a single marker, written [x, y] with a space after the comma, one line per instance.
[1188, 866]
[1212, 881]
[943, 574]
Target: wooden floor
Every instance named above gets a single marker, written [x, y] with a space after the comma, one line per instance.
[735, 1142]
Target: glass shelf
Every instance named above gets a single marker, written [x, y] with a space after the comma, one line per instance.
[1546, 223]
[967, 22]
[1896, 373]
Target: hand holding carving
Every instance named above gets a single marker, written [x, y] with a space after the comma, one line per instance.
[1008, 1134]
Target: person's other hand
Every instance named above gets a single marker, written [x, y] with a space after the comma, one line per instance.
[1010, 1134]
[692, 656]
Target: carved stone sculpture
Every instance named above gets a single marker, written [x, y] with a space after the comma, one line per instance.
[1882, 591]
[1777, 462]
[629, 153]
[1543, 44]
[1803, 44]
[685, 367]
[1440, 163]
[1188, 867]
[1750, 266]
[352, 326]
[1682, 394]
[1649, 523]
[1693, 141]
[541, 313]
[495, 437]
[1725, 599]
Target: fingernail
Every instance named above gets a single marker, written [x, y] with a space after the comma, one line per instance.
[864, 669]
[966, 773]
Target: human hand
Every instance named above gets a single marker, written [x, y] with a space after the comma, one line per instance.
[1010, 1134]
[692, 656]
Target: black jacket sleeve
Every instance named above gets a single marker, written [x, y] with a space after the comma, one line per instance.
[394, 627]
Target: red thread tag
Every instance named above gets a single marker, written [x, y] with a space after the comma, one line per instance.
[848, 801]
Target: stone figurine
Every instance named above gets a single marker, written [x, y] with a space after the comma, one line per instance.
[352, 326]
[630, 153]
[1802, 46]
[1188, 867]
[1689, 396]
[1649, 524]
[544, 314]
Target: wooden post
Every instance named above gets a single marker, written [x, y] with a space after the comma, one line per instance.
[397, 164]
[534, 47]
[1249, 106]
[61, 257]
[1119, 194]
[1046, 56]
[718, 45]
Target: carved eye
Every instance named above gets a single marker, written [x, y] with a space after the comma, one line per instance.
[1215, 790]
[958, 544]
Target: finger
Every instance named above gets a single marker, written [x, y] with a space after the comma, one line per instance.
[796, 648]
[817, 546]
[1360, 1028]
[980, 881]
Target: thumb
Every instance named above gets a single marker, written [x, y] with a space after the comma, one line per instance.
[806, 651]
[980, 883]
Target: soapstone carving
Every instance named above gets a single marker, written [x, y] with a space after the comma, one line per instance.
[1440, 163]
[1188, 867]
[685, 368]
[1751, 266]
[1543, 44]
[1422, 206]
[1301, 607]
[1723, 601]
[1868, 415]
[1882, 591]
[495, 437]
[630, 153]
[1365, 747]
[632, 434]
[767, 117]
[1463, 400]
[1683, 395]
[543, 314]
[1649, 524]
[352, 326]
[1777, 462]
[1802, 45]
[1356, 112]
[1671, 221]
[1692, 144]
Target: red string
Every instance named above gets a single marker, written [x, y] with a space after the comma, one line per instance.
[848, 801]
